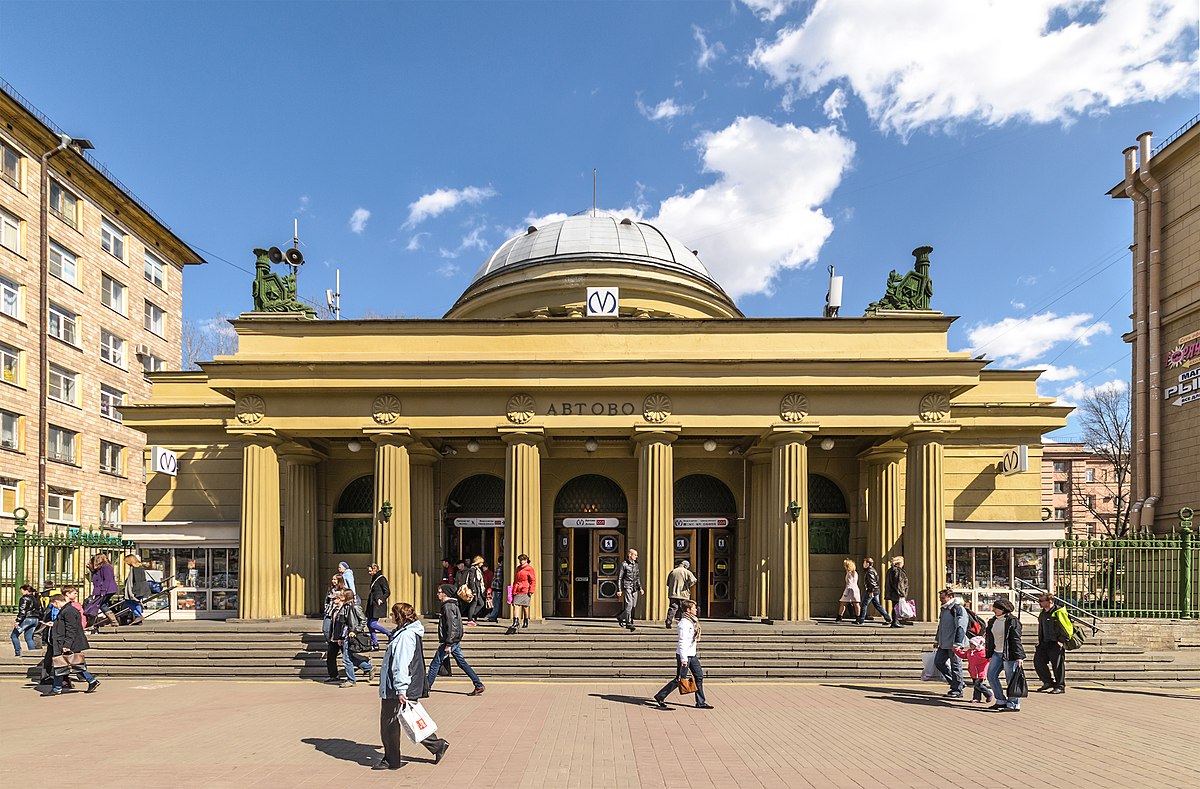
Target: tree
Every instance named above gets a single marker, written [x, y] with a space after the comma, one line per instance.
[1104, 417]
[203, 340]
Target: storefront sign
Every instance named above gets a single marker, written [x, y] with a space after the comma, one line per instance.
[591, 523]
[1187, 388]
[1015, 461]
[1185, 353]
[594, 409]
[702, 523]
[479, 523]
[164, 461]
[602, 302]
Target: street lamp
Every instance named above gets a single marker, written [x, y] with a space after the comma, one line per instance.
[79, 145]
[794, 510]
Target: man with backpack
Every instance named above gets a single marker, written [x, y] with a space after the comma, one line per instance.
[1054, 630]
[951, 633]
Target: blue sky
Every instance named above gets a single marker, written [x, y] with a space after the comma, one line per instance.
[776, 137]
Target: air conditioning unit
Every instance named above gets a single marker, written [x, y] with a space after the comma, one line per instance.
[143, 349]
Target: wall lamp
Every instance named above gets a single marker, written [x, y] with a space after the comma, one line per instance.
[591, 445]
[354, 445]
[710, 445]
[386, 511]
[794, 511]
[826, 444]
[472, 445]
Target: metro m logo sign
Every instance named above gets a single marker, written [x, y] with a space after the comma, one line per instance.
[602, 302]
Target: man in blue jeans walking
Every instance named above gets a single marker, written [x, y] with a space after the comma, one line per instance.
[951, 633]
[450, 633]
[871, 592]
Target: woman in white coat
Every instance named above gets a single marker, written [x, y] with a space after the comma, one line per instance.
[851, 596]
[686, 656]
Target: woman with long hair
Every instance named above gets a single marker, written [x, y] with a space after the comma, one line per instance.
[524, 585]
[104, 589]
[137, 586]
[850, 595]
[350, 627]
[1004, 650]
[687, 656]
[401, 680]
[337, 585]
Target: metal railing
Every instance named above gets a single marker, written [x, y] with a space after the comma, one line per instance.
[1178, 133]
[53, 560]
[1028, 593]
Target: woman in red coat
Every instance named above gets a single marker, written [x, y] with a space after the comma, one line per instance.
[524, 585]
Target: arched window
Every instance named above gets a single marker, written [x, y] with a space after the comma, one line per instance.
[353, 515]
[591, 494]
[480, 494]
[828, 517]
[701, 494]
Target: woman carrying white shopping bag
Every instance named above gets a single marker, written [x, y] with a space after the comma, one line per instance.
[401, 685]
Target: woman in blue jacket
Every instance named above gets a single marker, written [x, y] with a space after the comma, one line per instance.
[402, 679]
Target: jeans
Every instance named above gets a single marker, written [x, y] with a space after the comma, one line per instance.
[374, 627]
[997, 662]
[693, 665]
[134, 606]
[80, 672]
[456, 653]
[497, 601]
[1049, 664]
[872, 599]
[980, 689]
[27, 627]
[351, 659]
[950, 665]
[629, 599]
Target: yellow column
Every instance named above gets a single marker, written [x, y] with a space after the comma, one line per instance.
[788, 558]
[523, 510]
[925, 523]
[427, 570]
[884, 524]
[301, 587]
[259, 581]
[757, 567]
[392, 537]
[656, 516]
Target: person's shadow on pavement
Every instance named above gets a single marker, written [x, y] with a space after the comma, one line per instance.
[637, 701]
[346, 750]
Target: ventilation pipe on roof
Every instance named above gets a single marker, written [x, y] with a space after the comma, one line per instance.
[1154, 298]
[1140, 370]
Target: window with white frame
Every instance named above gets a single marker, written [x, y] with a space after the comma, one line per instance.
[64, 264]
[1060, 487]
[112, 294]
[10, 495]
[64, 204]
[1060, 514]
[10, 364]
[112, 239]
[61, 444]
[10, 298]
[112, 458]
[10, 164]
[10, 430]
[63, 324]
[10, 231]
[1090, 475]
[111, 510]
[156, 271]
[154, 319]
[110, 400]
[63, 385]
[60, 505]
[151, 363]
[112, 349]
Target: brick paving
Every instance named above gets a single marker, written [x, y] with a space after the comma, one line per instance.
[560, 734]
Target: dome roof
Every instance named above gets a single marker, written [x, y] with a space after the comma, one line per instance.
[594, 238]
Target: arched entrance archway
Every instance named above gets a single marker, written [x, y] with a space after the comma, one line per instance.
[828, 543]
[590, 515]
[705, 515]
[475, 519]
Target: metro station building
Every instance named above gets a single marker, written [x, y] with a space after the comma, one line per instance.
[764, 450]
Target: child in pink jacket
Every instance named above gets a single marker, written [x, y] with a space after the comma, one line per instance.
[977, 665]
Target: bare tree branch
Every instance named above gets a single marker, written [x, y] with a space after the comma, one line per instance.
[204, 340]
[1104, 418]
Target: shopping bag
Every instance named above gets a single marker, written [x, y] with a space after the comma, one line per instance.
[906, 609]
[929, 670]
[416, 721]
[510, 594]
[1018, 688]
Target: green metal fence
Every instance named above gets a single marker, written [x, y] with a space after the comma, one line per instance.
[52, 560]
[1147, 576]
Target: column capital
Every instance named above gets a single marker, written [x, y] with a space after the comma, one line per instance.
[265, 436]
[521, 435]
[887, 452]
[758, 455]
[923, 433]
[781, 434]
[389, 435]
[300, 455]
[420, 454]
[658, 434]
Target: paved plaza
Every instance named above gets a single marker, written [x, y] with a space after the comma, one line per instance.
[560, 734]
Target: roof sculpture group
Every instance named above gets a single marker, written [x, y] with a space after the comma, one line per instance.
[912, 291]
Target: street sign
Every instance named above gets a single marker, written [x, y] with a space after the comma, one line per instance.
[602, 302]
[591, 523]
[479, 523]
[702, 523]
[164, 461]
[1015, 461]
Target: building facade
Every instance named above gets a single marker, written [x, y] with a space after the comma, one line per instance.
[113, 302]
[593, 390]
[1080, 489]
[1163, 183]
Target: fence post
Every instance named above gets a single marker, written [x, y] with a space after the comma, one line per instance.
[1185, 563]
[21, 516]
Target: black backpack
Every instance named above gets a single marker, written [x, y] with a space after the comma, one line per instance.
[975, 625]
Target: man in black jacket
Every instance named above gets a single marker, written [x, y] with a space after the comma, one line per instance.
[629, 586]
[67, 645]
[450, 633]
[871, 592]
[1049, 657]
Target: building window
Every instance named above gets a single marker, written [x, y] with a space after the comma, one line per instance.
[1060, 487]
[112, 294]
[10, 298]
[156, 271]
[112, 239]
[1089, 475]
[60, 506]
[61, 444]
[154, 319]
[63, 385]
[63, 324]
[1060, 514]
[1059, 467]
[10, 232]
[10, 495]
[151, 363]
[10, 364]
[64, 265]
[112, 458]
[1089, 501]
[63, 204]
[10, 430]
[112, 349]
[110, 510]
[110, 400]
[10, 164]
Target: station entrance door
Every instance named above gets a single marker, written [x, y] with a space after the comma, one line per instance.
[590, 516]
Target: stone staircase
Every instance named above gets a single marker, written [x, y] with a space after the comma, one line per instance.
[582, 649]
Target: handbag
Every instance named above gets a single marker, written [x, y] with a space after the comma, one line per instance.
[69, 660]
[465, 594]
[416, 721]
[1018, 688]
[685, 681]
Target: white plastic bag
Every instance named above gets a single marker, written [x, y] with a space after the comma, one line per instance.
[929, 669]
[906, 609]
[416, 721]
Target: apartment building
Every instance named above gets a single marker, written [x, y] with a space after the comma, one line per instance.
[113, 301]
[1080, 489]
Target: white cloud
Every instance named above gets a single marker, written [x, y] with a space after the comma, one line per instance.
[1074, 394]
[1027, 280]
[835, 105]
[762, 214]
[666, 110]
[448, 269]
[932, 63]
[1017, 305]
[708, 54]
[442, 200]
[472, 240]
[414, 242]
[1053, 373]
[358, 220]
[769, 10]
[1021, 340]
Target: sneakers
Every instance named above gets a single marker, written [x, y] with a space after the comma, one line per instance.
[477, 691]
[347, 684]
[662, 705]
[92, 686]
[437, 757]
[954, 694]
[470, 623]
[370, 674]
[1043, 689]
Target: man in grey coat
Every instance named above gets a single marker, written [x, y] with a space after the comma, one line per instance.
[951, 633]
[680, 583]
[629, 586]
